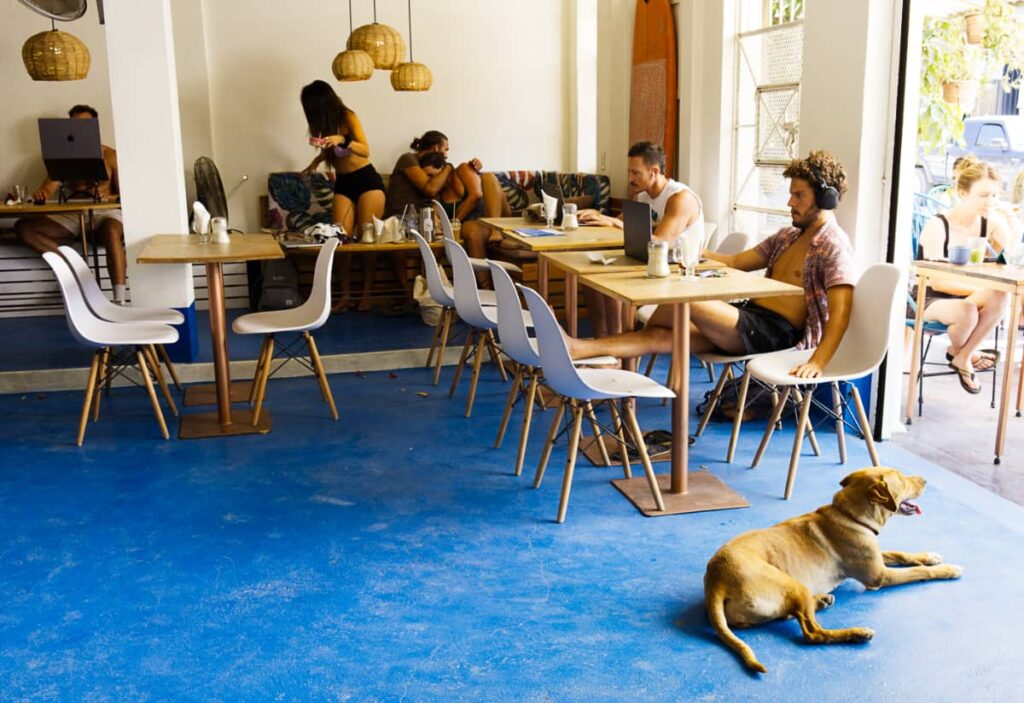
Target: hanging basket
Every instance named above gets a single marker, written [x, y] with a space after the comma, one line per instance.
[975, 25]
[55, 56]
[411, 77]
[962, 93]
[352, 65]
[383, 43]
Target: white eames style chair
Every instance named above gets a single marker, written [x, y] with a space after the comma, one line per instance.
[309, 316]
[859, 353]
[104, 336]
[521, 348]
[581, 388]
[478, 264]
[106, 310]
[482, 322]
[444, 295]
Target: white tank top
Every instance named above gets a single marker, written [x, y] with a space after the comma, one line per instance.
[658, 205]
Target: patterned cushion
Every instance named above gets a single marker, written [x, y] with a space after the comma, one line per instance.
[298, 200]
[575, 185]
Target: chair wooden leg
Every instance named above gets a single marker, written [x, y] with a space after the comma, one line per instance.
[108, 377]
[770, 429]
[798, 440]
[90, 391]
[713, 401]
[447, 314]
[711, 371]
[621, 437]
[477, 361]
[524, 436]
[741, 406]
[154, 361]
[798, 396]
[321, 375]
[470, 335]
[436, 339]
[570, 461]
[513, 394]
[837, 405]
[546, 454]
[102, 371]
[492, 345]
[638, 436]
[865, 428]
[650, 364]
[672, 380]
[266, 347]
[170, 366]
[261, 388]
[596, 429]
[141, 358]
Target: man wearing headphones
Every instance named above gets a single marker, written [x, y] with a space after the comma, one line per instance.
[814, 253]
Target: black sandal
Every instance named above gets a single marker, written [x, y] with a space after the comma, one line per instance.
[983, 355]
[963, 375]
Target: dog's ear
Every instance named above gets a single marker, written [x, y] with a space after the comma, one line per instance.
[880, 493]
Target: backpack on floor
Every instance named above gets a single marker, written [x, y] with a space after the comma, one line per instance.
[280, 287]
[759, 402]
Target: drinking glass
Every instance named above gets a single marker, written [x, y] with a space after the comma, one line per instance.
[692, 241]
[21, 194]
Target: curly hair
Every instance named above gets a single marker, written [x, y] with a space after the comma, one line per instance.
[819, 166]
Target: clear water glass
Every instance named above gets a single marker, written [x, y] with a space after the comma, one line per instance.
[690, 243]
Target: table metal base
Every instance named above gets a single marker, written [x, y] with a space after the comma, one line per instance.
[707, 492]
[202, 425]
[206, 393]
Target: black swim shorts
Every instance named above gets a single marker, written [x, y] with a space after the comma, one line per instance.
[765, 330]
[360, 181]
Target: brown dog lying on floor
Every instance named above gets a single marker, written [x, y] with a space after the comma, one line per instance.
[788, 570]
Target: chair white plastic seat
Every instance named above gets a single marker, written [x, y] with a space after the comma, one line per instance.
[106, 310]
[859, 353]
[102, 336]
[478, 264]
[581, 387]
[304, 319]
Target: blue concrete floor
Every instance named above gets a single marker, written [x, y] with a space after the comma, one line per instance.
[392, 556]
[46, 342]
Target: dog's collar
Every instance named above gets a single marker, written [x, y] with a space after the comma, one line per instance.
[851, 517]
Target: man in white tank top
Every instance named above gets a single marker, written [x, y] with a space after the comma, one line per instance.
[674, 206]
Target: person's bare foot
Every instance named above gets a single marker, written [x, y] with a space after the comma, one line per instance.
[341, 305]
[365, 305]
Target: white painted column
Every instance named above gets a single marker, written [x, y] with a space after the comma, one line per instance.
[583, 87]
[144, 101]
[848, 107]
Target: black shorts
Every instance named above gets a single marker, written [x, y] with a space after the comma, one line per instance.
[360, 181]
[765, 330]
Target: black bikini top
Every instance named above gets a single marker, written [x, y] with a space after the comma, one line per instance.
[945, 244]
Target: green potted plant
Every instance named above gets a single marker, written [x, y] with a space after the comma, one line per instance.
[950, 71]
[1003, 41]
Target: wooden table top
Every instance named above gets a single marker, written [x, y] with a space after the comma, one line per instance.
[635, 288]
[588, 237]
[406, 246]
[73, 206]
[992, 272]
[186, 249]
[579, 262]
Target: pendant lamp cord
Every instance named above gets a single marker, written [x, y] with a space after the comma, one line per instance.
[53, 25]
[410, 30]
[375, 11]
[349, 16]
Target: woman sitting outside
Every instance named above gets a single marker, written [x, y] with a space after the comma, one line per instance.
[358, 188]
[971, 313]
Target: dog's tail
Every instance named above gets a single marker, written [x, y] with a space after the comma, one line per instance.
[714, 600]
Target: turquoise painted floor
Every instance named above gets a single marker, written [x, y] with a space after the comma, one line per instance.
[391, 556]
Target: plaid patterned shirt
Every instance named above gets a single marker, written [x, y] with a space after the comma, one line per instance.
[829, 263]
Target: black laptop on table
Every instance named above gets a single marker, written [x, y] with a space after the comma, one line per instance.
[636, 230]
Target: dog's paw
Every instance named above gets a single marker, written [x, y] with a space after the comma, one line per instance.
[931, 559]
[861, 634]
[948, 571]
[824, 601]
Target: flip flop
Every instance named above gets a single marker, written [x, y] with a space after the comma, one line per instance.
[990, 355]
[963, 375]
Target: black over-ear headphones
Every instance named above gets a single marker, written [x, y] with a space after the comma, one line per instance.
[825, 196]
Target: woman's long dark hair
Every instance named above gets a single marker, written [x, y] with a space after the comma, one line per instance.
[325, 113]
[428, 141]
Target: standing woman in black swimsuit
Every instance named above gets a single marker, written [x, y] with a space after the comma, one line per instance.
[358, 188]
[970, 312]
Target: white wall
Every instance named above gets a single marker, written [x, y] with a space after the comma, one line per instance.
[500, 75]
[614, 63]
[25, 100]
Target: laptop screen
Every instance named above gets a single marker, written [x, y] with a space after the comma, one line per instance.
[636, 229]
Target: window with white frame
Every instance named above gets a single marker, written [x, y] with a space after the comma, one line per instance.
[766, 111]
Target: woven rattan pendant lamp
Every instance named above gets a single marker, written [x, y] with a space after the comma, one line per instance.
[383, 43]
[411, 76]
[352, 64]
[56, 55]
